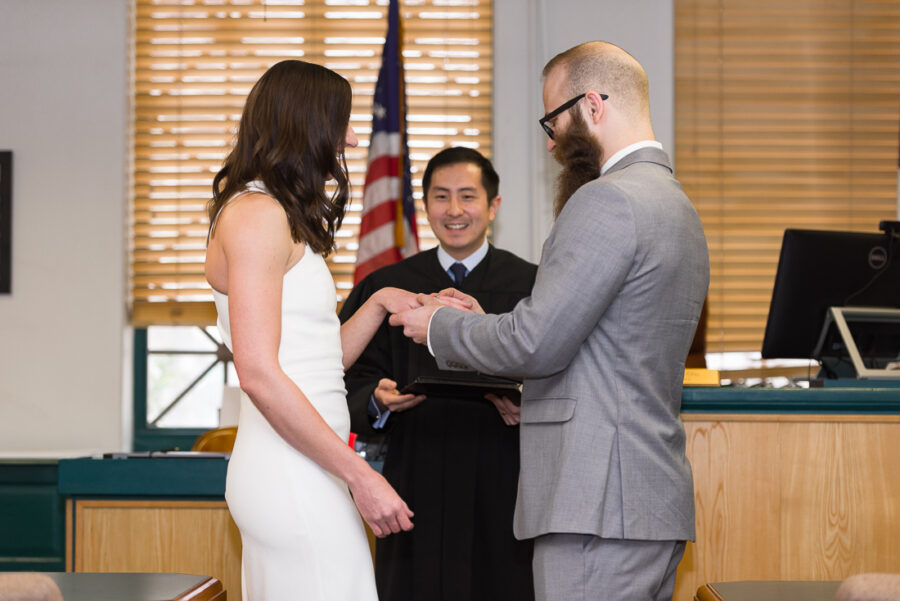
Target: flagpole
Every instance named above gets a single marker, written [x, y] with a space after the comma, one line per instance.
[394, 20]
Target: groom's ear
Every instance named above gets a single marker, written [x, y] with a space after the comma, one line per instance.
[595, 106]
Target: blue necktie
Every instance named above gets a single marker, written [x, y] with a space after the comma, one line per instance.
[458, 270]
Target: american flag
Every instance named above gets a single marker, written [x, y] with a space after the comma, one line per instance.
[387, 233]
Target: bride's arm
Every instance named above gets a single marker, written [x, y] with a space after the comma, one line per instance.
[254, 235]
[357, 332]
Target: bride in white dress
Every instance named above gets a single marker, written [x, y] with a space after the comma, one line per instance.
[292, 472]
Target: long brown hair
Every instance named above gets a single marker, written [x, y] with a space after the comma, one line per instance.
[291, 137]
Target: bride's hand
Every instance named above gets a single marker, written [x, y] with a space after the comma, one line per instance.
[380, 505]
[395, 300]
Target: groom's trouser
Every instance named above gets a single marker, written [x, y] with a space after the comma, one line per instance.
[584, 567]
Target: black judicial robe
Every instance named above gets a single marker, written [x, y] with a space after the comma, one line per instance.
[453, 461]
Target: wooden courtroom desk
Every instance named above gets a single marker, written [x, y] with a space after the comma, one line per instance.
[791, 590]
[160, 515]
[137, 587]
[791, 485]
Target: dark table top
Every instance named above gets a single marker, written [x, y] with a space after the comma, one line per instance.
[768, 590]
[81, 586]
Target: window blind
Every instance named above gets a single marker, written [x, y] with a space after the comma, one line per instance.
[786, 116]
[194, 64]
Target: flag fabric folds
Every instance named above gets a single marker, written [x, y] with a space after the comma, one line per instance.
[388, 231]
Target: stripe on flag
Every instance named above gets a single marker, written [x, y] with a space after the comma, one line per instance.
[387, 233]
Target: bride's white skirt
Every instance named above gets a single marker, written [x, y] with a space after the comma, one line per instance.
[302, 536]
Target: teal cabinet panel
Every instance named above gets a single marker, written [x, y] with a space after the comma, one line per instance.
[32, 517]
[144, 475]
[882, 398]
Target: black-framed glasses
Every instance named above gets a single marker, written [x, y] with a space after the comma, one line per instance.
[560, 109]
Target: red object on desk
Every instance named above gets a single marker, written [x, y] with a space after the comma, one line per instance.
[353, 440]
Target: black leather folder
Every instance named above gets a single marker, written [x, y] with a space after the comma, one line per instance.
[471, 387]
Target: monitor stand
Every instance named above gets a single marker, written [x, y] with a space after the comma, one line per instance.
[887, 321]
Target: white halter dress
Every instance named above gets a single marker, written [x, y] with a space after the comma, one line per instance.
[302, 536]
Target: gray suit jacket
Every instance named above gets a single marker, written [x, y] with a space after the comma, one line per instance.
[601, 344]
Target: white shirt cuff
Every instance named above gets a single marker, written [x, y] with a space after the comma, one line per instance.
[428, 331]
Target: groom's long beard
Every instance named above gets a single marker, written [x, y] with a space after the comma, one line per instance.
[580, 156]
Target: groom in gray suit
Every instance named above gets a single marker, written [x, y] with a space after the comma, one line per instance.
[605, 489]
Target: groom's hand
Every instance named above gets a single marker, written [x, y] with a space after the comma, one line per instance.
[415, 321]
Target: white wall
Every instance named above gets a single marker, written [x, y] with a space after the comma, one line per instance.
[528, 33]
[63, 78]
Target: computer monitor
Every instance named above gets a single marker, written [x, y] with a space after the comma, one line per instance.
[822, 269]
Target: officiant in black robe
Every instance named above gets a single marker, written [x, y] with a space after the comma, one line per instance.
[454, 461]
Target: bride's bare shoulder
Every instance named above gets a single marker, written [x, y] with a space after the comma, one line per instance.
[252, 213]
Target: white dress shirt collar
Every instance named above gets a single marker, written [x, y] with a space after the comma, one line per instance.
[626, 151]
[471, 262]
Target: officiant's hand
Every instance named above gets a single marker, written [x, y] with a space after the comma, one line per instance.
[509, 411]
[388, 397]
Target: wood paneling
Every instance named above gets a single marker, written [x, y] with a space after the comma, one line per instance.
[792, 497]
[188, 537]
